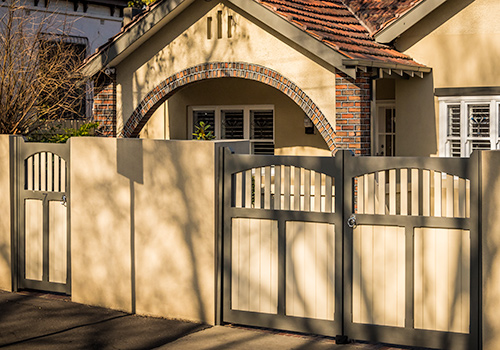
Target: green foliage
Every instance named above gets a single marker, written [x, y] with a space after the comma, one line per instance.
[84, 130]
[139, 3]
[202, 132]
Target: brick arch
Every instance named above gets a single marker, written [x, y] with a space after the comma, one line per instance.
[215, 70]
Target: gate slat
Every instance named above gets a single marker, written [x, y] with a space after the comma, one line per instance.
[267, 187]
[404, 192]
[286, 188]
[277, 187]
[392, 192]
[317, 192]
[438, 195]
[258, 188]
[329, 202]
[296, 188]
[238, 189]
[43, 171]
[36, 176]
[380, 192]
[307, 190]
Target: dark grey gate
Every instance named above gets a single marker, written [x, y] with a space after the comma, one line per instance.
[42, 225]
[270, 205]
[429, 206]
[353, 246]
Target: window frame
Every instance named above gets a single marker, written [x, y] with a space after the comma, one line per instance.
[247, 109]
[465, 140]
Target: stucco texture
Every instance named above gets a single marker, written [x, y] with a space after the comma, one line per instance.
[490, 221]
[5, 205]
[460, 41]
[143, 226]
[183, 43]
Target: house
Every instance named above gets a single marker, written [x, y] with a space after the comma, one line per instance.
[79, 28]
[300, 77]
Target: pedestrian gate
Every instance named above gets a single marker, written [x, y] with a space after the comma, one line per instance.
[42, 225]
[377, 249]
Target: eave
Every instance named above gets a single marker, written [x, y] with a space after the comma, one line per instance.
[388, 68]
[401, 24]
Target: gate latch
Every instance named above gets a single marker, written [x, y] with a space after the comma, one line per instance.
[351, 222]
[63, 200]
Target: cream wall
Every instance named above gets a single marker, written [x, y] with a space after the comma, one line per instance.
[183, 43]
[5, 204]
[490, 236]
[460, 41]
[142, 236]
[170, 119]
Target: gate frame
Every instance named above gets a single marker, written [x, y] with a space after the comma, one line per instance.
[280, 321]
[469, 168]
[20, 149]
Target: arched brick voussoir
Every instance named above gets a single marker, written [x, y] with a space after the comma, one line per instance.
[215, 70]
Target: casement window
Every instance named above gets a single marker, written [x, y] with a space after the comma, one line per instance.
[468, 124]
[254, 123]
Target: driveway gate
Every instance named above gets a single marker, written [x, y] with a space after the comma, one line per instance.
[42, 225]
[377, 249]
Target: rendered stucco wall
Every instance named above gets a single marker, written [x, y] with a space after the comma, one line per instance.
[143, 226]
[490, 221]
[183, 43]
[5, 234]
[170, 119]
[460, 41]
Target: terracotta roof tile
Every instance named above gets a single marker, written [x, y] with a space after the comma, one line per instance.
[376, 14]
[333, 22]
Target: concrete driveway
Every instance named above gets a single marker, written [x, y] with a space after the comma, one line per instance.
[44, 321]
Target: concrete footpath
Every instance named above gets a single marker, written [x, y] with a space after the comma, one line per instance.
[45, 321]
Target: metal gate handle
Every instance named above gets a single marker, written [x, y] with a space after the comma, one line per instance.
[63, 200]
[351, 222]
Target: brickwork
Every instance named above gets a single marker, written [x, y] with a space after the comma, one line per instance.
[353, 113]
[104, 109]
[216, 70]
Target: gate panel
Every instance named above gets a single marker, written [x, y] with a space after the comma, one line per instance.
[379, 275]
[310, 276]
[58, 245]
[43, 216]
[255, 265]
[282, 257]
[442, 279]
[411, 268]
[34, 239]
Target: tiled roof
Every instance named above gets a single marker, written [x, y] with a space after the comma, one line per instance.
[332, 22]
[376, 14]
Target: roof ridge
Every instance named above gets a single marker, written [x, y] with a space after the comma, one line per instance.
[358, 18]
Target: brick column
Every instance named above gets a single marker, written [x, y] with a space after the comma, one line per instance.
[105, 103]
[353, 113]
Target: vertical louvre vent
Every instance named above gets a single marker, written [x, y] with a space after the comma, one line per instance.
[262, 125]
[207, 117]
[232, 124]
[454, 130]
[263, 148]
